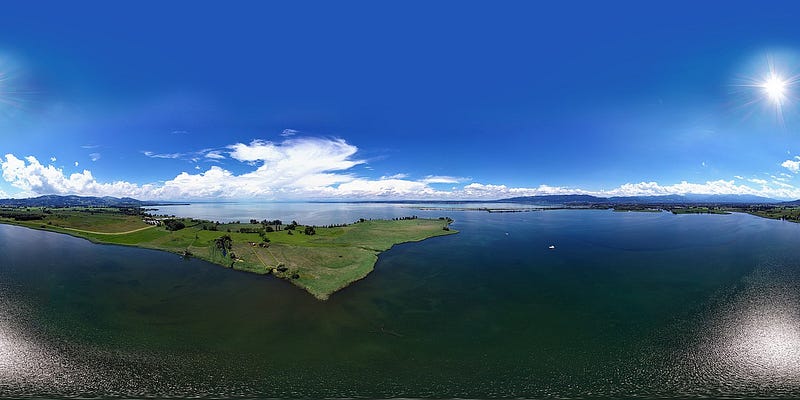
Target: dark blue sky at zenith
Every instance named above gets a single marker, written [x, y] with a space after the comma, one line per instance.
[397, 99]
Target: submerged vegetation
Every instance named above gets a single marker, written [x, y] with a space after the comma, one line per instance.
[321, 260]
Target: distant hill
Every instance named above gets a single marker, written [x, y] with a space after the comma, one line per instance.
[567, 199]
[74, 201]
[578, 199]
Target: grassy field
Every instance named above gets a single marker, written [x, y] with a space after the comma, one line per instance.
[321, 263]
[698, 210]
[788, 213]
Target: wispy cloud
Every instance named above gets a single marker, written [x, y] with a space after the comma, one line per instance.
[94, 156]
[289, 132]
[53, 159]
[215, 155]
[442, 179]
[90, 146]
[162, 155]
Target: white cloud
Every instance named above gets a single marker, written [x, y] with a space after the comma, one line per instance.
[163, 155]
[783, 184]
[53, 159]
[30, 176]
[94, 156]
[792, 165]
[441, 179]
[488, 191]
[739, 177]
[76, 163]
[780, 190]
[289, 132]
[395, 176]
[215, 155]
[320, 168]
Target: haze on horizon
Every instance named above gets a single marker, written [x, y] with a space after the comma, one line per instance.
[364, 100]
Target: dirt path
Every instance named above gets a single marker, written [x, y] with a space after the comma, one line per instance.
[255, 253]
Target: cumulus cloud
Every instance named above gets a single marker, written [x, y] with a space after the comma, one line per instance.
[758, 181]
[76, 163]
[792, 165]
[294, 168]
[320, 168]
[30, 176]
[489, 191]
[53, 159]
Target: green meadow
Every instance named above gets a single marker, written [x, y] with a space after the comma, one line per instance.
[321, 260]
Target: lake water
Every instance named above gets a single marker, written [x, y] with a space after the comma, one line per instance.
[627, 304]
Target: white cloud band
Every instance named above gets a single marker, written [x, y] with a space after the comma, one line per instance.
[319, 168]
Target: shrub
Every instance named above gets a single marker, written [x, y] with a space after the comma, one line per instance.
[173, 224]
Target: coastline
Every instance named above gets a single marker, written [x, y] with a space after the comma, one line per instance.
[321, 264]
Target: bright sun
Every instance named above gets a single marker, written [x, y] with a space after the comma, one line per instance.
[775, 88]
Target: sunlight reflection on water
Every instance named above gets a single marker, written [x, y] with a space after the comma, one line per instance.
[22, 362]
[770, 343]
[752, 342]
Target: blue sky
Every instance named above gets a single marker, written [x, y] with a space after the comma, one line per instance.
[316, 100]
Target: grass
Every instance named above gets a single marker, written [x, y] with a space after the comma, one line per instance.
[788, 213]
[323, 263]
[698, 210]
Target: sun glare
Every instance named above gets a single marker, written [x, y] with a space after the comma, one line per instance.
[775, 88]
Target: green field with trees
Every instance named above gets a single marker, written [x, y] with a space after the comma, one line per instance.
[320, 259]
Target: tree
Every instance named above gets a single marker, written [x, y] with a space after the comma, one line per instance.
[310, 230]
[223, 244]
[173, 224]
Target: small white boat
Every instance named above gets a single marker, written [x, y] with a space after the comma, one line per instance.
[551, 247]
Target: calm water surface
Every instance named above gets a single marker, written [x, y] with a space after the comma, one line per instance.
[627, 304]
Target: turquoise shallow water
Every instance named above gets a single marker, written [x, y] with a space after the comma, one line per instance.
[627, 304]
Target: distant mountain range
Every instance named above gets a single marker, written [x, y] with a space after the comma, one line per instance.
[76, 201]
[576, 199]
[548, 200]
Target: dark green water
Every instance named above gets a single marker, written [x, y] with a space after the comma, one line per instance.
[628, 304]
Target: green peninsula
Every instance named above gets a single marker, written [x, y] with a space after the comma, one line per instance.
[319, 259]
